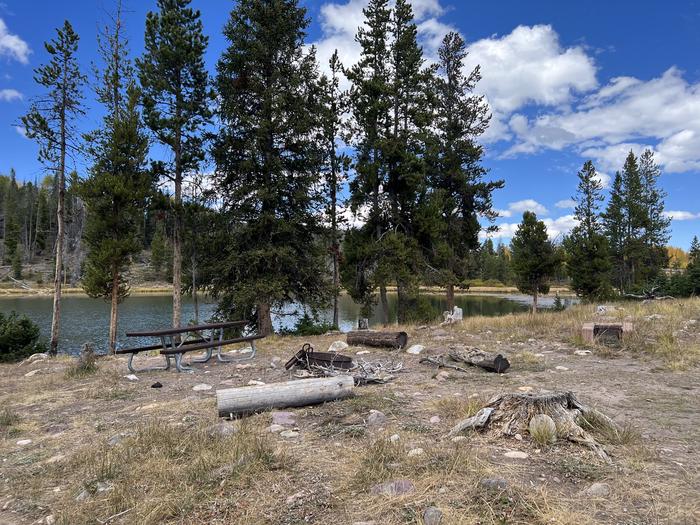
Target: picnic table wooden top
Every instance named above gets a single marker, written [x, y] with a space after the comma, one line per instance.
[185, 329]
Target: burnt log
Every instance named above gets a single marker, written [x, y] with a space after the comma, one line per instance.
[378, 339]
[476, 357]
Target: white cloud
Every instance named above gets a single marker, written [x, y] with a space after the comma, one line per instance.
[13, 46]
[556, 228]
[504, 213]
[528, 205]
[566, 204]
[9, 95]
[678, 215]
[21, 130]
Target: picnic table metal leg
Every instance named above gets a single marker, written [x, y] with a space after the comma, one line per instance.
[130, 366]
[207, 355]
[180, 366]
[222, 359]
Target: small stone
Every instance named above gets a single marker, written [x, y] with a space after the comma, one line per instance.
[243, 366]
[562, 368]
[24, 442]
[415, 349]
[131, 377]
[518, 437]
[103, 487]
[442, 376]
[255, 382]
[363, 352]
[337, 346]
[516, 454]
[376, 418]
[275, 428]
[393, 488]
[364, 523]
[157, 384]
[284, 418]
[83, 495]
[289, 434]
[582, 352]
[435, 420]
[201, 387]
[223, 429]
[394, 438]
[458, 439]
[432, 516]
[50, 520]
[116, 438]
[597, 490]
[415, 452]
[494, 483]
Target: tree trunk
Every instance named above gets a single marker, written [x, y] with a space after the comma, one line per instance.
[384, 304]
[114, 312]
[378, 339]
[476, 357]
[336, 287]
[264, 319]
[250, 399]
[450, 297]
[195, 297]
[177, 247]
[534, 301]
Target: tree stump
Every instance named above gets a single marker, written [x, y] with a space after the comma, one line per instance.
[510, 414]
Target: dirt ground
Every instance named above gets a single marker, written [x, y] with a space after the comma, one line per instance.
[100, 448]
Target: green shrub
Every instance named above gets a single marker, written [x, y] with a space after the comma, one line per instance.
[19, 337]
[307, 325]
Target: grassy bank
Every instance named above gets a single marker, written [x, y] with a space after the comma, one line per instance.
[99, 448]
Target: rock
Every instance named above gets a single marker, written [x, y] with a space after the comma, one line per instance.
[375, 418]
[24, 442]
[131, 377]
[255, 382]
[525, 388]
[116, 438]
[50, 520]
[84, 494]
[597, 490]
[516, 454]
[415, 349]
[494, 483]
[33, 372]
[289, 434]
[275, 362]
[284, 418]
[561, 368]
[458, 439]
[337, 346]
[222, 429]
[457, 313]
[442, 375]
[243, 366]
[275, 428]
[435, 420]
[582, 352]
[157, 384]
[432, 515]
[518, 437]
[394, 438]
[415, 452]
[393, 488]
[363, 352]
[103, 487]
[201, 387]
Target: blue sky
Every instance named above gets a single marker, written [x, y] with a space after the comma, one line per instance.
[567, 81]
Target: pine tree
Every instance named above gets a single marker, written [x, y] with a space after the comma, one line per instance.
[457, 173]
[176, 101]
[535, 259]
[335, 164]
[118, 184]
[588, 260]
[268, 162]
[159, 248]
[657, 225]
[51, 122]
[11, 222]
[370, 105]
[614, 224]
[693, 271]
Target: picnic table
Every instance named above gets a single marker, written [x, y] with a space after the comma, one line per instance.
[175, 342]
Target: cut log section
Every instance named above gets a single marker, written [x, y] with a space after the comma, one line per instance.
[510, 414]
[250, 399]
[378, 339]
[476, 357]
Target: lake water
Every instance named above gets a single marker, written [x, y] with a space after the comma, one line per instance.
[84, 319]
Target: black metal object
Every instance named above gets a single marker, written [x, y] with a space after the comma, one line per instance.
[306, 358]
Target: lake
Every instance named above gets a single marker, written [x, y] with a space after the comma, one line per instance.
[84, 319]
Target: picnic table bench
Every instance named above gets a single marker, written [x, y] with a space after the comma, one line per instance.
[173, 345]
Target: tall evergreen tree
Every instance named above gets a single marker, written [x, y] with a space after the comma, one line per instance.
[535, 259]
[51, 122]
[11, 221]
[335, 164]
[615, 231]
[657, 225]
[457, 174]
[370, 106]
[693, 271]
[118, 184]
[588, 260]
[176, 101]
[267, 163]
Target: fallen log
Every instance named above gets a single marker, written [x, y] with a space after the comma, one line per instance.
[249, 399]
[378, 339]
[476, 357]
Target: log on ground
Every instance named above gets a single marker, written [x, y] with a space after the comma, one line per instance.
[250, 399]
[378, 339]
[476, 357]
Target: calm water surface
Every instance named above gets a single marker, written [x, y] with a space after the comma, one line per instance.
[84, 319]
